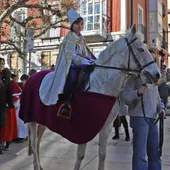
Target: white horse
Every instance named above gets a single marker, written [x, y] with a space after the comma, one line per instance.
[125, 55]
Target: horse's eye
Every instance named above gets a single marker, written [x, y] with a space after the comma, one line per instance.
[141, 49]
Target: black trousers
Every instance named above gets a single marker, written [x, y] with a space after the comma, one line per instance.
[70, 86]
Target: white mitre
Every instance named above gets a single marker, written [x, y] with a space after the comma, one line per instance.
[73, 16]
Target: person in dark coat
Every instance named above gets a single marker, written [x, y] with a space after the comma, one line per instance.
[31, 72]
[164, 89]
[5, 94]
[24, 79]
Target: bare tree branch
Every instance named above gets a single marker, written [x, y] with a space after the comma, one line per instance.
[11, 9]
[11, 43]
[41, 12]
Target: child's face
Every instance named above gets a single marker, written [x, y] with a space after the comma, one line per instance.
[78, 27]
[2, 65]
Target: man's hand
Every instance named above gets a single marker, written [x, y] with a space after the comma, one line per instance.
[163, 113]
[142, 90]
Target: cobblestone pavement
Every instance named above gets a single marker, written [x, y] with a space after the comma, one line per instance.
[59, 154]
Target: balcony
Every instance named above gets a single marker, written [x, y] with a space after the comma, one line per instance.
[96, 30]
[94, 13]
[142, 29]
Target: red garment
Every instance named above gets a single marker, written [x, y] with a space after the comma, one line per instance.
[116, 122]
[16, 91]
[10, 130]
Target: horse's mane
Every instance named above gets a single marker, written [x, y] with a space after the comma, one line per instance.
[117, 46]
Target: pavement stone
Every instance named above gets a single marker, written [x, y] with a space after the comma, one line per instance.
[59, 154]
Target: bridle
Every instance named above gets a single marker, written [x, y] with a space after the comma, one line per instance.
[134, 56]
[128, 69]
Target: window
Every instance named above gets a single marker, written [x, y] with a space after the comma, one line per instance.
[104, 7]
[140, 15]
[16, 29]
[53, 32]
[92, 16]
[90, 23]
[48, 58]
[90, 9]
[97, 8]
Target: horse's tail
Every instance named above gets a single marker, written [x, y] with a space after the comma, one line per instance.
[29, 141]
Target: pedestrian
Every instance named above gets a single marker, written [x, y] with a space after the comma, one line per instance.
[31, 72]
[164, 90]
[74, 55]
[5, 97]
[116, 125]
[123, 112]
[145, 131]
[24, 79]
[22, 128]
[52, 67]
[168, 74]
[13, 77]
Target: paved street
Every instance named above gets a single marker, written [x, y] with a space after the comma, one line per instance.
[59, 154]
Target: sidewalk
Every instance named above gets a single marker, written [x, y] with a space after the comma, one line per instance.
[59, 154]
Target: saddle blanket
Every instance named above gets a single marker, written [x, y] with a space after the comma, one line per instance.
[89, 112]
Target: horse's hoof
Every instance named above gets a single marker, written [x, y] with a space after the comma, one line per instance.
[41, 168]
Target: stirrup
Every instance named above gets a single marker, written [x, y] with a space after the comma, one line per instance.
[65, 113]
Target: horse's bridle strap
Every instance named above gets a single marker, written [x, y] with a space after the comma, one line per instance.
[136, 60]
[152, 62]
[134, 57]
[115, 68]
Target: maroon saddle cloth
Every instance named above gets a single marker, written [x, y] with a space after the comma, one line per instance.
[89, 112]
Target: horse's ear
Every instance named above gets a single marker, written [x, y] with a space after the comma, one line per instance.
[133, 29]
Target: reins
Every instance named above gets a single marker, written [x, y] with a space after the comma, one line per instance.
[161, 126]
[116, 68]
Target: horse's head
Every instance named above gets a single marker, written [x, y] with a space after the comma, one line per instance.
[139, 58]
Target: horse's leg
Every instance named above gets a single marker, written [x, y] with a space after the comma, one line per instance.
[33, 129]
[80, 155]
[29, 141]
[103, 138]
[41, 130]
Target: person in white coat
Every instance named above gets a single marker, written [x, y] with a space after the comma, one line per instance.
[74, 55]
[22, 128]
